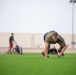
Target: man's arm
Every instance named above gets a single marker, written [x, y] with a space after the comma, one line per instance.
[63, 49]
[62, 44]
[14, 40]
[47, 46]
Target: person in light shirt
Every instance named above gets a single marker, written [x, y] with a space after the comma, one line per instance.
[53, 37]
[17, 49]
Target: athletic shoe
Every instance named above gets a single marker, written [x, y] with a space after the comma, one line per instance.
[43, 53]
[21, 53]
[47, 56]
[62, 54]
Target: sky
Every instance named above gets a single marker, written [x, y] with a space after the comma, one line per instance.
[37, 16]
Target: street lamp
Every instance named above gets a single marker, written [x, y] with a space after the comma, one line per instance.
[73, 1]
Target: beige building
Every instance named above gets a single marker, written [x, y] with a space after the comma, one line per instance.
[31, 41]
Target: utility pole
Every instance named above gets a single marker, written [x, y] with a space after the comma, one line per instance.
[73, 1]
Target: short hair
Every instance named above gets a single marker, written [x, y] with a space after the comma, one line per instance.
[16, 45]
[12, 33]
[55, 34]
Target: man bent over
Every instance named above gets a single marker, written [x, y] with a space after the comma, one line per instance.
[53, 37]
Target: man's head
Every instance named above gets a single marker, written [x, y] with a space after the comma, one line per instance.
[55, 36]
[16, 46]
[12, 34]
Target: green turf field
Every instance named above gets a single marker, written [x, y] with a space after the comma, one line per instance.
[35, 64]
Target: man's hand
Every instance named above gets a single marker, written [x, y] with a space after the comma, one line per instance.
[59, 54]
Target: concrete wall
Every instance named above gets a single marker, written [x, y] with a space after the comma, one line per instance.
[39, 42]
[23, 39]
[29, 40]
[4, 39]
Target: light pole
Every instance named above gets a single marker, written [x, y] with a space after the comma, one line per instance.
[73, 1]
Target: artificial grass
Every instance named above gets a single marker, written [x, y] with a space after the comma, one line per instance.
[35, 64]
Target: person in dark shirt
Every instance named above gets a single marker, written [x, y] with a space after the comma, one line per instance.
[51, 51]
[11, 40]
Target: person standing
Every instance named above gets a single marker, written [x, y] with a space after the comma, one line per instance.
[11, 40]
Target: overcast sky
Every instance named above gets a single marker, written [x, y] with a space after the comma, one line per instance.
[36, 16]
